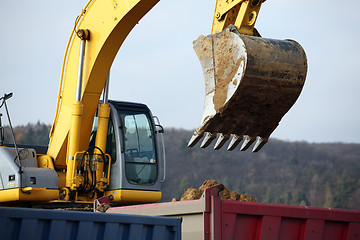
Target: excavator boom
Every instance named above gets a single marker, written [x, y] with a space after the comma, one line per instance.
[109, 23]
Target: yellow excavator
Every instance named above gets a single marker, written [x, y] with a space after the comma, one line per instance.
[100, 147]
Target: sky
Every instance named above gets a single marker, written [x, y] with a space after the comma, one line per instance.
[157, 65]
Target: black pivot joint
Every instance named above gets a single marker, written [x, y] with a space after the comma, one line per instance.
[83, 34]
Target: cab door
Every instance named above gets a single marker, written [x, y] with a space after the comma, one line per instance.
[132, 143]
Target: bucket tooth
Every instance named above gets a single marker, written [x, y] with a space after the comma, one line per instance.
[221, 141]
[194, 139]
[260, 142]
[235, 140]
[247, 143]
[209, 137]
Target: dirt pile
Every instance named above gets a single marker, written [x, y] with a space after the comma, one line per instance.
[226, 194]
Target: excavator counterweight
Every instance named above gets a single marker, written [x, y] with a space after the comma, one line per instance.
[250, 84]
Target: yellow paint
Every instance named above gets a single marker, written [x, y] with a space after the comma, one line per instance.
[134, 196]
[100, 142]
[74, 142]
[36, 194]
[45, 161]
[62, 179]
[115, 4]
[240, 13]
[62, 201]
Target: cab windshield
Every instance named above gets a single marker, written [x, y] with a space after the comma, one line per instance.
[139, 148]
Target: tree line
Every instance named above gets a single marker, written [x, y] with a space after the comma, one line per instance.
[298, 173]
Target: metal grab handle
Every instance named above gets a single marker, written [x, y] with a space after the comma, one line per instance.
[161, 132]
[164, 156]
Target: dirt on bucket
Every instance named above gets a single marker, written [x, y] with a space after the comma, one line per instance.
[226, 194]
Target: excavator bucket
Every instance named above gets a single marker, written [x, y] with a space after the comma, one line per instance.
[250, 84]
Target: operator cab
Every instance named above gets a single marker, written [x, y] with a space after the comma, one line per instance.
[136, 156]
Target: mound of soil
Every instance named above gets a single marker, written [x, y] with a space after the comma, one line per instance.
[226, 194]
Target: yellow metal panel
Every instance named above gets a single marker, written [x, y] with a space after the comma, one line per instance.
[62, 179]
[241, 13]
[100, 142]
[134, 196]
[36, 194]
[44, 161]
[109, 26]
[74, 141]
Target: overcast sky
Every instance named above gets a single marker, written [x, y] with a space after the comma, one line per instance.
[157, 65]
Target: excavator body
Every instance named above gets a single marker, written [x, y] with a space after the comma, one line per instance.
[133, 164]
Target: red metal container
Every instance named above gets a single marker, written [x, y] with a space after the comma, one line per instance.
[213, 218]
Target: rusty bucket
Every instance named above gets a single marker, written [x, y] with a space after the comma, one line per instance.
[250, 84]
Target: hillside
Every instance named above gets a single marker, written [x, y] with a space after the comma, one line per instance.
[298, 173]
[282, 172]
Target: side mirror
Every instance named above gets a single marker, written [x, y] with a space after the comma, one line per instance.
[159, 128]
[7, 96]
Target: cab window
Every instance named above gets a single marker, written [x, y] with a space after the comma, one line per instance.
[139, 149]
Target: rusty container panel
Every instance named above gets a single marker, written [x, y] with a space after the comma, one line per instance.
[213, 218]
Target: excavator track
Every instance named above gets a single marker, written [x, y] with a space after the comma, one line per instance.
[250, 84]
